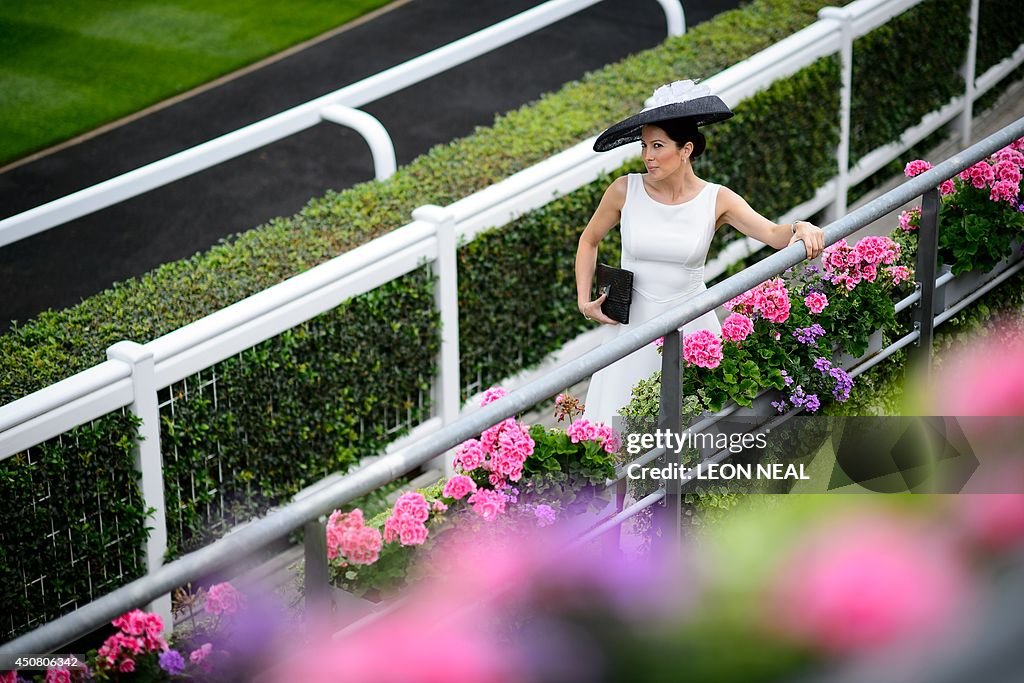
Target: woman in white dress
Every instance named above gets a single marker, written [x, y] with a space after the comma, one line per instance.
[667, 217]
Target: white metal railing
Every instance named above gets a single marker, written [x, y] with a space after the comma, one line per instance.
[134, 369]
[336, 107]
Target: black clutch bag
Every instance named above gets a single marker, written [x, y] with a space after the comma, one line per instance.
[619, 285]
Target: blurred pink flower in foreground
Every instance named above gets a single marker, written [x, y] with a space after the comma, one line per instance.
[868, 583]
[985, 378]
[994, 520]
[406, 650]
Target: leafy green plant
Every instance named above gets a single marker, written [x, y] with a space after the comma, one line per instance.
[562, 470]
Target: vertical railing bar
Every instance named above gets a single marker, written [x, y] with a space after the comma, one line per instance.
[668, 513]
[927, 257]
[446, 299]
[316, 579]
[970, 66]
[844, 17]
[148, 460]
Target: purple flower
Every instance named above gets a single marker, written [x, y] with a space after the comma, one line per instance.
[812, 404]
[172, 662]
[844, 384]
[822, 365]
[811, 270]
[786, 378]
[780, 405]
[798, 397]
[545, 515]
[809, 335]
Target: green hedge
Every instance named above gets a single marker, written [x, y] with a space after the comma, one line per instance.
[904, 69]
[73, 523]
[999, 32]
[516, 285]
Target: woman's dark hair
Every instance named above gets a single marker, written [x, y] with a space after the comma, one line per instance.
[682, 131]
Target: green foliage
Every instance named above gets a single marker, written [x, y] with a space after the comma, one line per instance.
[899, 75]
[998, 32]
[74, 522]
[975, 233]
[562, 470]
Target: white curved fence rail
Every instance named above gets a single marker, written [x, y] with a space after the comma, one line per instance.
[296, 119]
[136, 372]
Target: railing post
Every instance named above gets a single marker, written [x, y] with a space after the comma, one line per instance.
[966, 117]
[316, 580]
[148, 458]
[446, 299]
[927, 257]
[667, 523]
[844, 18]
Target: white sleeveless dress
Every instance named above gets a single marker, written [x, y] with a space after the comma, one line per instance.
[665, 245]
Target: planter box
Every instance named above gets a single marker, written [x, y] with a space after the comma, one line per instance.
[846, 361]
[967, 283]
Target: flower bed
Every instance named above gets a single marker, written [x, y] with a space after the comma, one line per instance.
[512, 473]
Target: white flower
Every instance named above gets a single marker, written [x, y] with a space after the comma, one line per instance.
[676, 93]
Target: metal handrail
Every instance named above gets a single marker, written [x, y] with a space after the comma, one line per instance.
[280, 523]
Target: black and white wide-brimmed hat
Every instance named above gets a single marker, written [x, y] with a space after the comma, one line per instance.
[678, 100]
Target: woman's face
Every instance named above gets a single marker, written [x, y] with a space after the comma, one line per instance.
[661, 154]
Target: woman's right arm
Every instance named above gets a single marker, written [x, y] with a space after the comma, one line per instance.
[607, 215]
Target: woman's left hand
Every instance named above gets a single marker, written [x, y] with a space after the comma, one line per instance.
[813, 238]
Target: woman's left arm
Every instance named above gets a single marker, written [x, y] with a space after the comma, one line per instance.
[734, 210]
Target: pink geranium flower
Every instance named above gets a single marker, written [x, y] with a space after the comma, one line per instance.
[911, 219]
[703, 349]
[816, 302]
[1004, 191]
[916, 167]
[984, 378]
[222, 598]
[488, 504]
[406, 523]
[585, 430]
[470, 455]
[58, 675]
[458, 487]
[979, 175]
[737, 327]
[200, 653]
[868, 583]
[348, 537]
[492, 395]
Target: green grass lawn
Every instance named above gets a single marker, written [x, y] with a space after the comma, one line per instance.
[68, 66]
